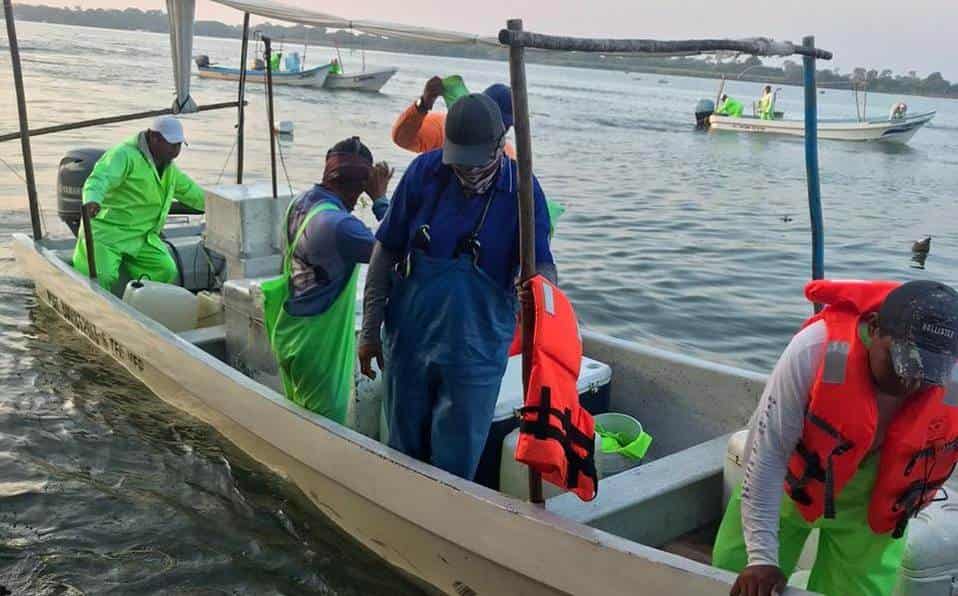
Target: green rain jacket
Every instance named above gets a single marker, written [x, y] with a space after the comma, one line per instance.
[731, 107]
[134, 198]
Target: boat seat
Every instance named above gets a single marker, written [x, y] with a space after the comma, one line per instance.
[656, 502]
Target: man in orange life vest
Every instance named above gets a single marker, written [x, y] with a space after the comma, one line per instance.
[856, 425]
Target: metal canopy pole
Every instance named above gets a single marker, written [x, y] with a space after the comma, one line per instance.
[241, 122]
[24, 127]
[527, 226]
[811, 165]
[269, 111]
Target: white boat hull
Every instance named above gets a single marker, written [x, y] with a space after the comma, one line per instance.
[883, 131]
[313, 77]
[454, 535]
[371, 81]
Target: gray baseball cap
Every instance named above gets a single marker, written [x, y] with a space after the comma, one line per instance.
[922, 319]
[474, 131]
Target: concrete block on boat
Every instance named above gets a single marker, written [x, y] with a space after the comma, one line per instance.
[247, 346]
[243, 220]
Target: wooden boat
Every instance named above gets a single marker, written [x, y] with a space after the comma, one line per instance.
[370, 80]
[881, 130]
[311, 77]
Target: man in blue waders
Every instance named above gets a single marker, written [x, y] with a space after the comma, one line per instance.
[310, 309]
[452, 233]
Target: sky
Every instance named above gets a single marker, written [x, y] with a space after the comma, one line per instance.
[915, 35]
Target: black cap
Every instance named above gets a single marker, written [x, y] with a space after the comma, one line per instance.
[922, 319]
[474, 130]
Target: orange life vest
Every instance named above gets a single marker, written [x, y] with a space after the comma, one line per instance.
[920, 448]
[556, 434]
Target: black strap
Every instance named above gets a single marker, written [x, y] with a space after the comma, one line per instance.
[566, 434]
[912, 500]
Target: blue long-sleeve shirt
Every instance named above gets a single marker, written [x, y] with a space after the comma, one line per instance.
[332, 244]
[430, 193]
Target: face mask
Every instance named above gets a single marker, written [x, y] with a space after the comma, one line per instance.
[476, 180]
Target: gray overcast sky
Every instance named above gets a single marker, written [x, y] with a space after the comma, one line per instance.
[914, 35]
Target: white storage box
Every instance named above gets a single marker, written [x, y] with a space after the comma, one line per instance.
[244, 220]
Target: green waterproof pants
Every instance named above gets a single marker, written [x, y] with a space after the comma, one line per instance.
[851, 561]
[151, 259]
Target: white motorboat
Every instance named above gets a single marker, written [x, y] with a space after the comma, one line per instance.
[370, 80]
[884, 130]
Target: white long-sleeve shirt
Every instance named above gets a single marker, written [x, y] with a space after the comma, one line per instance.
[774, 431]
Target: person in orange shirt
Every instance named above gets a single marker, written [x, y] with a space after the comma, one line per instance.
[419, 129]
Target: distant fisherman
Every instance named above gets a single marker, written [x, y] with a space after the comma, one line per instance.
[730, 107]
[853, 435]
[310, 309]
[766, 104]
[128, 197]
[419, 129]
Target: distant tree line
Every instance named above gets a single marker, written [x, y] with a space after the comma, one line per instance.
[752, 69]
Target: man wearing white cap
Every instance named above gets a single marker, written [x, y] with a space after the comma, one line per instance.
[128, 196]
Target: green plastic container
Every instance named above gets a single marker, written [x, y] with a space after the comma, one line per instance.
[453, 89]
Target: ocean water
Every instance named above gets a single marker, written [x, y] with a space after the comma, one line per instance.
[695, 242]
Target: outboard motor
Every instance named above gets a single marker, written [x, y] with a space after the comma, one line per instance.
[703, 109]
[202, 61]
[75, 168]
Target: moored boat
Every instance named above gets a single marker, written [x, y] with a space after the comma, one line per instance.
[370, 80]
[310, 77]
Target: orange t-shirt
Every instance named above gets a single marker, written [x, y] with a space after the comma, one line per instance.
[420, 133]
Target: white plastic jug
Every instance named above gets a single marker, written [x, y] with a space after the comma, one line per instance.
[171, 306]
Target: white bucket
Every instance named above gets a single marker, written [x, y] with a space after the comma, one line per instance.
[610, 464]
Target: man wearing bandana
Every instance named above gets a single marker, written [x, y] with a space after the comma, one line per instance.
[452, 234]
[314, 335]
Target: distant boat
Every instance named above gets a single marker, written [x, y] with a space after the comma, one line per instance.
[663, 81]
[312, 77]
[899, 130]
[370, 80]
[319, 76]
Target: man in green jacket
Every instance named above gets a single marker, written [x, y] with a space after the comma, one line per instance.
[730, 107]
[128, 196]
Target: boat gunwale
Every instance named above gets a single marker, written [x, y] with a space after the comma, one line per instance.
[604, 548]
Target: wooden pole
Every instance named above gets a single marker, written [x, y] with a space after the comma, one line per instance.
[811, 166]
[24, 126]
[241, 108]
[688, 47]
[269, 113]
[108, 120]
[88, 240]
[527, 225]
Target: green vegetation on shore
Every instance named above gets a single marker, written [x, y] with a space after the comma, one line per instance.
[752, 69]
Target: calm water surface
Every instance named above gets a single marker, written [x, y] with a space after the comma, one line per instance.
[695, 242]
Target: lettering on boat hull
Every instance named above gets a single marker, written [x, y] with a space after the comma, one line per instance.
[105, 341]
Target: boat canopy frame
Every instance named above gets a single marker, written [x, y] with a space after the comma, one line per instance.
[518, 40]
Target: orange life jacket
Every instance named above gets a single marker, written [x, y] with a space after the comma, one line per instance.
[556, 434]
[920, 448]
